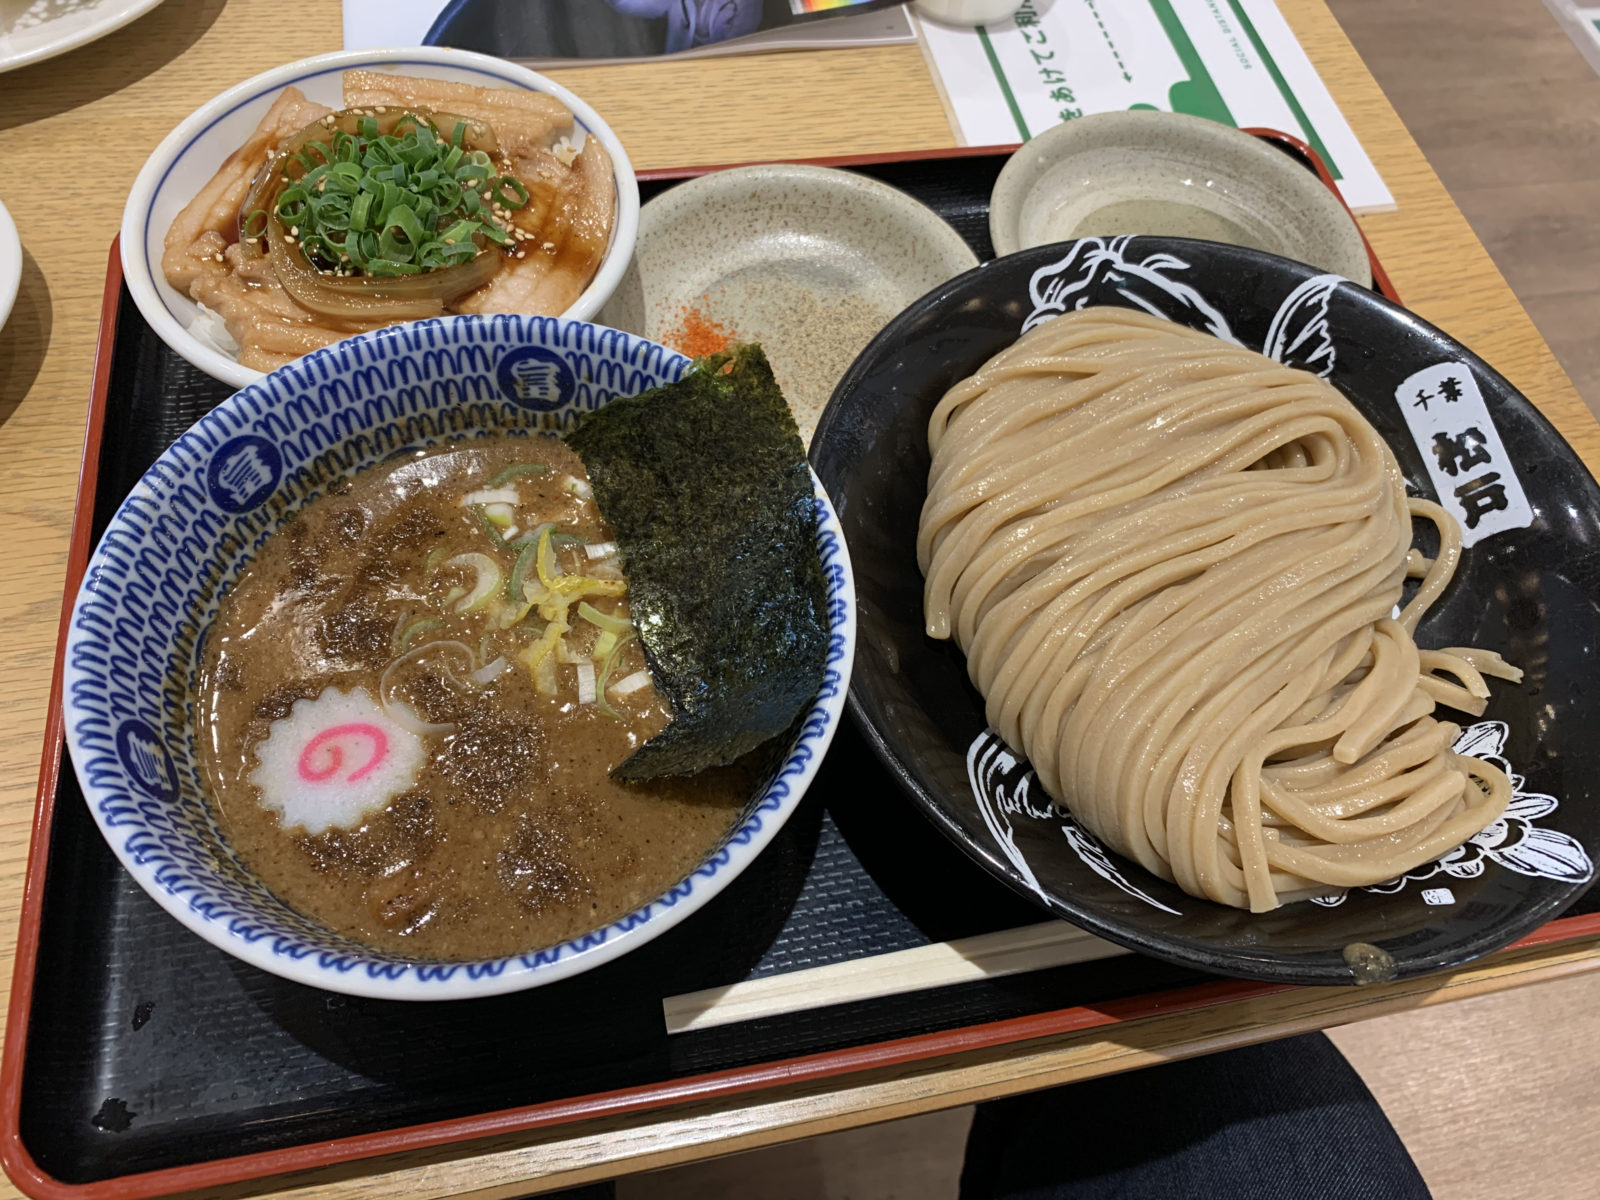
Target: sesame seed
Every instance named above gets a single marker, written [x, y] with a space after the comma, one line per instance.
[548, 246]
[380, 110]
[522, 254]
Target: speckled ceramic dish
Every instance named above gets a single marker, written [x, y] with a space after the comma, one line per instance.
[1174, 176]
[809, 261]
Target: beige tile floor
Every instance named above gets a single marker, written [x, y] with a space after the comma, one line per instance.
[1497, 1097]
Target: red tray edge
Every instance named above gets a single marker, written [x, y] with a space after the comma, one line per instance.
[13, 1155]
[33, 1181]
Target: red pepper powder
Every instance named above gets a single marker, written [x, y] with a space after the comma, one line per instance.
[696, 334]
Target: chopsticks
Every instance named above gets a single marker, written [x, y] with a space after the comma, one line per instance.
[986, 956]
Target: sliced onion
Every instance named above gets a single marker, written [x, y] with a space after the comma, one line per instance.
[544, 675]
[318, 292]
[630, 683]
[586, 691]
[488, 580]
[614, 625]
[549, 569]
[574, 486]
[600, 549]
[502, 515]
[400, 713]
[399, 625]
[490, 496]
[534, 534]
[491, 672]
[399, 710]
[448, 644]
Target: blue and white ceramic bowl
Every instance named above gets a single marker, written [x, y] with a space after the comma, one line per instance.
[198, 515]
[191, 154]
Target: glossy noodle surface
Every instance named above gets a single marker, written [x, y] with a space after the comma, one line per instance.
[1175, 567]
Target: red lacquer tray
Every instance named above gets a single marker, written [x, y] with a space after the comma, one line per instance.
[140, 1061]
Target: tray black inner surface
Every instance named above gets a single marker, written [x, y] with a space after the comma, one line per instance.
[149, 1049]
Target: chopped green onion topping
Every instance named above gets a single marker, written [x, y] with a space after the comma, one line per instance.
[508, 190]
[481, 511]
[615, 625]
[601, 702]
[390, 204]
[527, 561]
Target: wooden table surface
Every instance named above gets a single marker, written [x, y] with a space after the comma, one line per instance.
[75, 130]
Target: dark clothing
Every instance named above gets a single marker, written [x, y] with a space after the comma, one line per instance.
[1288, 1120]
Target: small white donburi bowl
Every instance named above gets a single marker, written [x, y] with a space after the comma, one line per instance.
[191, 154]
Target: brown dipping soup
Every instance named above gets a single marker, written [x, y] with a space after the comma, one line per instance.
[396, 738]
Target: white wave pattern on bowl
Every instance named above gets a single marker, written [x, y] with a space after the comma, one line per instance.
[189, 525]
[1005, 789]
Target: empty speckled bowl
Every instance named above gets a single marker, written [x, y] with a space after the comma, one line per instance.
[1176, 176]
[809, 261]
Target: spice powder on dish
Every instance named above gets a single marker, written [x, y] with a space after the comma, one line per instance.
[694, 333]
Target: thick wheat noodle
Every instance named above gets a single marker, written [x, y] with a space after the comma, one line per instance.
[1175, 568]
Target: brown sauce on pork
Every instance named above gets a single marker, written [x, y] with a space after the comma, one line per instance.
[560, 236]
[510, 834]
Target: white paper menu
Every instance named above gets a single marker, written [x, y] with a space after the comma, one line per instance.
[1234, 61]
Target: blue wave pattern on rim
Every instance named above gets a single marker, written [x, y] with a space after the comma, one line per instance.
[200, 513]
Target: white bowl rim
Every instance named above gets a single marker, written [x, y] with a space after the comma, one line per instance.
[93, 27]
[511, 973]
[10, 264]
[139, 272]
[1034, 158]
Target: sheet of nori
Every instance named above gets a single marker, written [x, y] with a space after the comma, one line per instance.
[706, 486]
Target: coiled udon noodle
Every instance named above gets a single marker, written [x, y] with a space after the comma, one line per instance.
[1172, 564]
